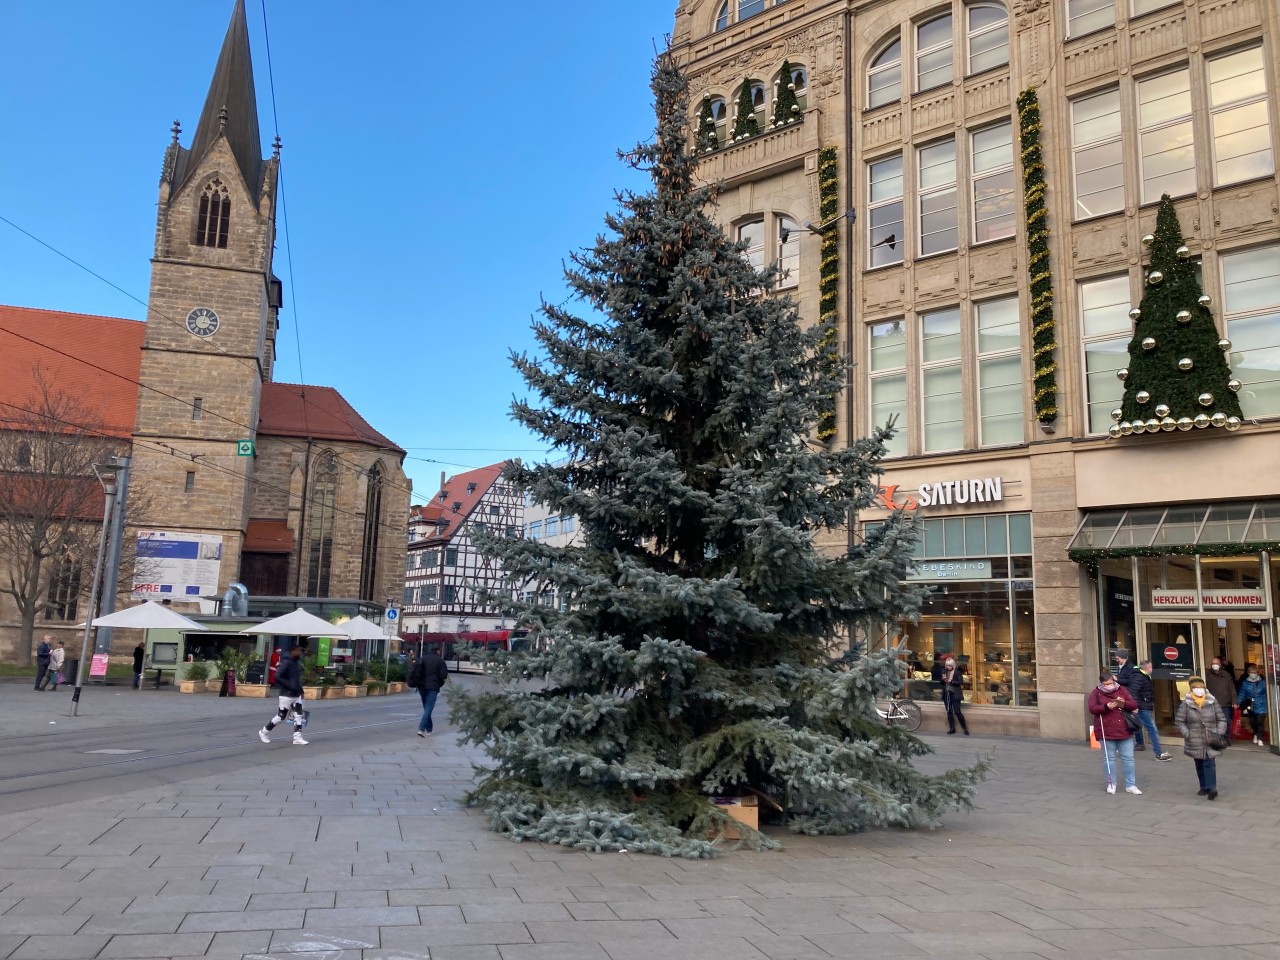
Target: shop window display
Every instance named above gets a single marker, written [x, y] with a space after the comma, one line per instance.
[980, 609]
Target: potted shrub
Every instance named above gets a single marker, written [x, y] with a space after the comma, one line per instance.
[194, 675]
[376, 688]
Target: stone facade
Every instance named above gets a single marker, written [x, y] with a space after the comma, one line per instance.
[917, 97]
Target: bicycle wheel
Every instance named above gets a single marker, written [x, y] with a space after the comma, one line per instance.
[908, 714]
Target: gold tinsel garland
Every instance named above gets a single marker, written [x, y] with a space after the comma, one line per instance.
[829, 278]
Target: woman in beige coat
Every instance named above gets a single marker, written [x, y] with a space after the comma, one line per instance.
[1202, 723]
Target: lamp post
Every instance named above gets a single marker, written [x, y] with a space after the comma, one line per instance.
[107, 476]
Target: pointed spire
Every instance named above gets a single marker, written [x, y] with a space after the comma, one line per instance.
[231, 107]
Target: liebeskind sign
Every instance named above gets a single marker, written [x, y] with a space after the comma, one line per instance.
[1242, 599]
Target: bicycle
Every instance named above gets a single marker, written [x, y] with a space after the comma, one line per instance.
[902, 712]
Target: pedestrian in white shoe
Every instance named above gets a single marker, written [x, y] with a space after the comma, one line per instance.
[1252, 700]
[289, 682]
[1107, 702]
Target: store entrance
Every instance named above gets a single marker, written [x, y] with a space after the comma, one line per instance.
[1175, 649]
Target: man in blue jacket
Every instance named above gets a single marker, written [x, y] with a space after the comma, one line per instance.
[289, 682]
[1143, 691]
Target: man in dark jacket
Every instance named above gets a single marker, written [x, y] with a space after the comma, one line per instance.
[43, 652]
[139, 657]
[1143, 691]
[289, 682]
[428, 675]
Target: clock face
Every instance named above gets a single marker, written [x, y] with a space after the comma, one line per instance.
[203, 322]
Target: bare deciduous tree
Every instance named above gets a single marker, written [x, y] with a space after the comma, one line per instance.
[50, 501]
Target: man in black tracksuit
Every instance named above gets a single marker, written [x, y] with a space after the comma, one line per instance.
[289, 682]
[428, 675]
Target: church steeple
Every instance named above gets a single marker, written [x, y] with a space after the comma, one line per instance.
[230, 108]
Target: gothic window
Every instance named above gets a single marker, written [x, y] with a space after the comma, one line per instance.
[24, 455]
[215, 216]
[372, 529]
[324, 495]
[64, 590]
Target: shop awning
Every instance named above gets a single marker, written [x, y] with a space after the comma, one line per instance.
[268, 536]
[1219, 529]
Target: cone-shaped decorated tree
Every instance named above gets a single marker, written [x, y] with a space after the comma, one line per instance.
[695, 652]
[786, 108]
[745, 123]
[705, 136]
[1177, 377]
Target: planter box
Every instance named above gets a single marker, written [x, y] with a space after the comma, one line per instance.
[333, 692]
[313, 693]
[396, 686]
[375, 691]
[355, 690]
[213, 686]
[257, 690]
[189, 686]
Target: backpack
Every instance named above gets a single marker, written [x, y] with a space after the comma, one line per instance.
[418, 674]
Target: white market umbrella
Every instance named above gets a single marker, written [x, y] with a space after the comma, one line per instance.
[148, 616]
[300, 623]
[358, 628]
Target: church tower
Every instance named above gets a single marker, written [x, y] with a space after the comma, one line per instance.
[211, 317]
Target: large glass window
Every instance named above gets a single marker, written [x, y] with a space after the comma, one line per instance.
[885, 231]
[1251, 301]
[1146, 6]
[752, 234]
[1106, 328]
[884, 80]
[999, 373]
[324, 494]
[980, 609]
[988, 36]
[749, 8]
[936, 172]
[933, 53]
[1085, 16]
[1097, 154]
[722, 16]
[942, 380]
[1241, 129]
[1165, 136]
[889, 381]
[994, 207]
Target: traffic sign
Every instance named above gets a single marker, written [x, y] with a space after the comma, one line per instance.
[244, 448]
[392, 614]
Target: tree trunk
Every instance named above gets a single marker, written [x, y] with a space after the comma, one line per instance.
[26, 634]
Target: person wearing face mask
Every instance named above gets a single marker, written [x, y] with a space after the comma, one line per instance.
[1106, 702]
[953, 694]
[1203, 726]
[1222, 685]
[1144, 693]
[1252, 699]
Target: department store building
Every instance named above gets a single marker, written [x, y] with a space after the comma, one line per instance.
[899, 180]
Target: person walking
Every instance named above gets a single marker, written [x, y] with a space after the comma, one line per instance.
[56, 659]
[43, 651]
[289, 682]
[1252, 700]
[1222, 685]
[139, 657]
[428, 676]
[953, 695]
[1143, 692]
[1203, 726]
[1106, 702]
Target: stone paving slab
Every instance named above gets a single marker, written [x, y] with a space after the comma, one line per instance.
[368, 855]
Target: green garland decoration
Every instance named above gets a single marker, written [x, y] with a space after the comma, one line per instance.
[786, 108]
[1042, 323]
[1090, 555]
[745, 124]
[705, 136]
[829, 276]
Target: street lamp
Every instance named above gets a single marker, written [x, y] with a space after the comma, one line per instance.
[107, 474]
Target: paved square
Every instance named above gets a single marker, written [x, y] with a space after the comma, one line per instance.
[369, 856]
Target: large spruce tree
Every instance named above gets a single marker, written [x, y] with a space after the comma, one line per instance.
[692, 656]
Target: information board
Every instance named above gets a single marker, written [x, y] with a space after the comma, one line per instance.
[177, 565]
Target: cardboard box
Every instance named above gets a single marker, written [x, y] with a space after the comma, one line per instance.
[743, 809]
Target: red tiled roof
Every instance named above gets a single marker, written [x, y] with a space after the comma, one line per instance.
[455, 491]
[268, 536]
[322, 413]
[74, 351]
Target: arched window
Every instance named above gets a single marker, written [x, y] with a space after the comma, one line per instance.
[214, 219]
[933, 53]
[759, 98]
[720, 114]
[988, 36]
[884, 79]
[749, 8]
[324, 496]
[752, 235]
[788, 252]
[23, 455]
[722, 16]
[372, 534]
[800, 80]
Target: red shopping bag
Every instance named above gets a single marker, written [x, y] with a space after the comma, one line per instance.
[1239, 729]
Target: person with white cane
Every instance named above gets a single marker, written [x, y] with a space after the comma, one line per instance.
[1108, 702]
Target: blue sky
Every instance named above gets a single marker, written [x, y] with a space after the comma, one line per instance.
[440, 162]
